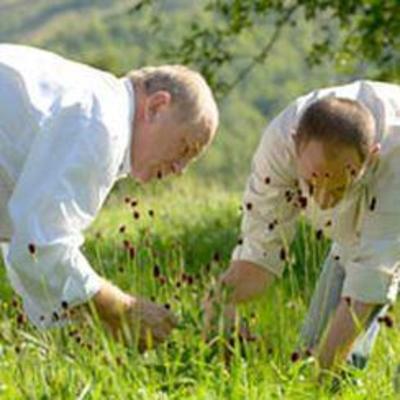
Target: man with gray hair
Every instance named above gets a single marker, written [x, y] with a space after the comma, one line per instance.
[67, 133]
[333, 155]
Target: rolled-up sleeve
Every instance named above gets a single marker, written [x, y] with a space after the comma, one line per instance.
[269, 203]
[67, 175]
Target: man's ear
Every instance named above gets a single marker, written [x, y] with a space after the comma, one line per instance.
[374, 152]
[375, 148]
[156, 103]
[295, 138]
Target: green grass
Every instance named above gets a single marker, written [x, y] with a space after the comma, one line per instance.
[193, 231]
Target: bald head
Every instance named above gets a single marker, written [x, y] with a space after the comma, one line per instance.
[191, 97]
[337, 121]
[334, 144]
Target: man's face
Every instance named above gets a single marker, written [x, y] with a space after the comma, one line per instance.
[328, 170]
[169, 146]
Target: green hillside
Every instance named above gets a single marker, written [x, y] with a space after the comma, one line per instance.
[109, 35]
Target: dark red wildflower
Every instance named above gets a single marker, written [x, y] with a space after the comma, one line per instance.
[136, 215]
[249, 206]
[159, 175]
[21, 319]
[336, 258]
[127, 244]
[387, 320]
[32, 248]
[267, 180]
[282, 254]
[319, 234]
[216, 257]
[295, 356]
[308, 353]
[347, 300]
[156, 271]
[372, 205]
[178, 284]
[134, 203]
[327, 175]
[151, 213]
[162, 280]
[122, 229]
[271, 226]
[240, 241]
[167, 306]
[127, 199]
[302, 201]
[64, 305]
[132, 252]
[189, 280]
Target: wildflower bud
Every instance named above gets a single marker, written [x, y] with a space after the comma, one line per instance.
[32, 248]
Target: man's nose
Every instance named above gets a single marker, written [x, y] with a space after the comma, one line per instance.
[178, 166]
[324, 199]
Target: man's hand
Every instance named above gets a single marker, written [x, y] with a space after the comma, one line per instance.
[242, 281]
[347, 323]
[153, 323]
[133, 319]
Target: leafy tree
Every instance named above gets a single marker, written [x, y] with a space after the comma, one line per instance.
[356, 34]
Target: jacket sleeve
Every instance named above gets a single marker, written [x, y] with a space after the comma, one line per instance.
[272, 199]
[372, 272]
[66, 177]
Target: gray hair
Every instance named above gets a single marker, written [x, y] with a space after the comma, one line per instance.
[189, 91]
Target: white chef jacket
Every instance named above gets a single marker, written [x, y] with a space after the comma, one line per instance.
[65, 131]
[364, 226]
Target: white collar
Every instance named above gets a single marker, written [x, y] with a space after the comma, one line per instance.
[125, 168]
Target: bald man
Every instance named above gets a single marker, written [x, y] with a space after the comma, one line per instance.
[333, 155]
[68, 132]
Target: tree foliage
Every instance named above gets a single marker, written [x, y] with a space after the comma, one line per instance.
[354, 33]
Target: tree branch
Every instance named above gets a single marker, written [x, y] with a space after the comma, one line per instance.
[262, 55]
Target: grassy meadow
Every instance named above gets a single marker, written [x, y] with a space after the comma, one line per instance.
[181, 233]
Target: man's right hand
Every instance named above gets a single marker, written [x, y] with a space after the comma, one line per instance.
[152, 322]
[133, 319]
[242, 281]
